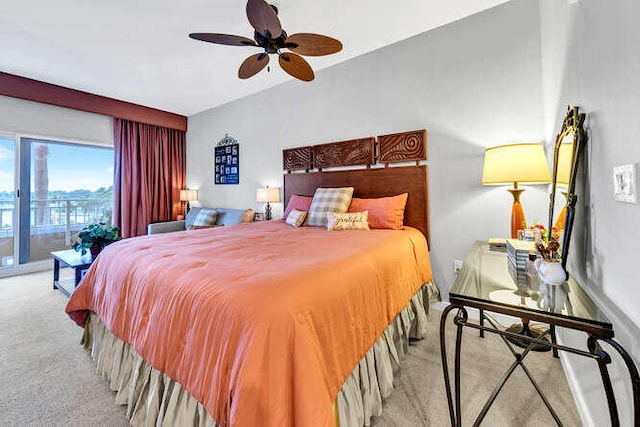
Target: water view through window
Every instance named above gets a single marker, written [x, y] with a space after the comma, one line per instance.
[63, 187]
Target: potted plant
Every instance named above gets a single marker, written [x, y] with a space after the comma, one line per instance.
[95, 237]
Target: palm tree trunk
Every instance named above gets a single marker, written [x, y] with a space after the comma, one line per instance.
[41, 183]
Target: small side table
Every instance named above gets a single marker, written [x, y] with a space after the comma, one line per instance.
[485, 283]
[73, 259]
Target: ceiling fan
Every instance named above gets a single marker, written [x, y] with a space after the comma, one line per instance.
[270, 36]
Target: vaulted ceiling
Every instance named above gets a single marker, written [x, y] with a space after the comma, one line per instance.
[138, 50]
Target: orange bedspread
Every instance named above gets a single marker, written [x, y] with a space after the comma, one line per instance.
[262, 323]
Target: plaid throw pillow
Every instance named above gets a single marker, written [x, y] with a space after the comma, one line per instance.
[328, 200]
[205, 217]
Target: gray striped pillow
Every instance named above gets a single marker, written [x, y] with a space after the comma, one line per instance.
[205, 217]
[328, 200]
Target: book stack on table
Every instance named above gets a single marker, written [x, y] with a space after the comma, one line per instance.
[498, 244]
[518, 252]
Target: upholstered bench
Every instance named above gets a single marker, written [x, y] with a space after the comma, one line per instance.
[203, 217]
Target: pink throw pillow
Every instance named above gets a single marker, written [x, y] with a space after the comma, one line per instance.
[301, 203]
[385, 212]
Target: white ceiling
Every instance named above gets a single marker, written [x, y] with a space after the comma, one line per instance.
[138, 50]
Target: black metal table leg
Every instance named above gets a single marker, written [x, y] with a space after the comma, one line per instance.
[603, 360]
[495, 393]
[78, 276]
[459, 320]
[481, 323]
[541, 394]
[445, 367]
[635, 378]
[519, 361]
[552, 328]
[56, 272]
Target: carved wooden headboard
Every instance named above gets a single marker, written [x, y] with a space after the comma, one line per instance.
[368, 182]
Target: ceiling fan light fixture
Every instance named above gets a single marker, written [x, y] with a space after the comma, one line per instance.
[263, 17]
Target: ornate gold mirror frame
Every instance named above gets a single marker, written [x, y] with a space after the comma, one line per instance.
[567, 151]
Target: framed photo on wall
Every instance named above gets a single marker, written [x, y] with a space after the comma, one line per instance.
[227, 161]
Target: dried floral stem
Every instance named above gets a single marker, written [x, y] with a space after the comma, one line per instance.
[549, 252]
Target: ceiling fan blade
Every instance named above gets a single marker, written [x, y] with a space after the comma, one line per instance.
[253, 65]
[227, 39]
[313, 44]
[262, 17]
[296, 66]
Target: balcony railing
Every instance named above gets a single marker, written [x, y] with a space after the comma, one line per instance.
[48, 216]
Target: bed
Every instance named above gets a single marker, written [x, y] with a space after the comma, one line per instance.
[263, 323]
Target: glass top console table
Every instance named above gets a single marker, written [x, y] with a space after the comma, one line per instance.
[486, 283]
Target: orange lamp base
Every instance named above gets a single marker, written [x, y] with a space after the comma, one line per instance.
[517, 213]
[517, 219]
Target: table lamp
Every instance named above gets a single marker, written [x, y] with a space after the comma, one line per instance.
[188, 196]
[268, 195]
[515, 163]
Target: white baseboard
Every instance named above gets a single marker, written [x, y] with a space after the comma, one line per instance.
[578, 396]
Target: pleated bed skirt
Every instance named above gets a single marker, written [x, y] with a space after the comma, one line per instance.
[152, 398]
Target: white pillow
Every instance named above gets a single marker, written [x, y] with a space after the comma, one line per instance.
[296, 218]
[347, 221]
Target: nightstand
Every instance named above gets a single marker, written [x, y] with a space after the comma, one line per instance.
[70, 258]
[485, 283]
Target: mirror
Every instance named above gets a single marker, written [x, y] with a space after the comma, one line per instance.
[566, 156]
[565, 161]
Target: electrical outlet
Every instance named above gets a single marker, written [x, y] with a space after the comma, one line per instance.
[457, 266]
[624, 183]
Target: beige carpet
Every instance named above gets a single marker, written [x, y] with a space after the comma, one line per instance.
[46, 378]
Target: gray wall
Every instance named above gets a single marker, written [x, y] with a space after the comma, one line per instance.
[472, 84]
[34, 118]
[591, 59]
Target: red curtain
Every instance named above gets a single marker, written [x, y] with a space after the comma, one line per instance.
[150, 171]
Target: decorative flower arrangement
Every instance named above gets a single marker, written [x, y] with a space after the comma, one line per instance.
[547, 248]
[95, 237]
[544, 234]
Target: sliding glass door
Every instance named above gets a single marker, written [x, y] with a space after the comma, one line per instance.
[68, 186]
[7, 200]
[61, 187]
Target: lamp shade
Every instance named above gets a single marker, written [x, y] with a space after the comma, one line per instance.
[188, 195]
[524, 163]
[268, 194]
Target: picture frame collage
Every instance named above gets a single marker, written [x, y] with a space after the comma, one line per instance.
[227, 164]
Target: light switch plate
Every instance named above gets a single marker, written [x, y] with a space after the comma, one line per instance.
[625, 183]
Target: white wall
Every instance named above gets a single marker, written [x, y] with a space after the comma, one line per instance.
[472, 84]
[34, 118]
[590, 59]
